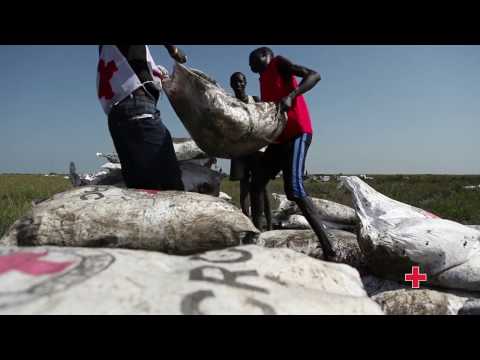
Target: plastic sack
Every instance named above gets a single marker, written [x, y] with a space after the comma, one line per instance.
[395, 236]
[185, 149]
[220, 124]
[246, 280]
[329, 211]
[106, 216]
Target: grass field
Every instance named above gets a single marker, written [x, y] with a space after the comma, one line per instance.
[18, 191]
[441, 194]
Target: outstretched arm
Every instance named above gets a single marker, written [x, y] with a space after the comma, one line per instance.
[310, 78]
[176, 53]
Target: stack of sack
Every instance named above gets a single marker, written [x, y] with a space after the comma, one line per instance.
[103, 249]
[239, 280]
[390, 238]
[109, 250]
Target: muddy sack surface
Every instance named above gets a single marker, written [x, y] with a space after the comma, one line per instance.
[107, 216]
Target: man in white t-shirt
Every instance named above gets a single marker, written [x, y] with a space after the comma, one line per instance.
[129, 86]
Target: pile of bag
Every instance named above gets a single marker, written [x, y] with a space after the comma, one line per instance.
[392, 237]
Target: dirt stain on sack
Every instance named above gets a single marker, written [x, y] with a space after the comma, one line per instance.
[104, 242]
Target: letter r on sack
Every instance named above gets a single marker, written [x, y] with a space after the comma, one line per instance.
[229, 278]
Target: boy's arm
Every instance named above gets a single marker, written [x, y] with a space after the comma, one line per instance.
[309, 79]
[176, 53]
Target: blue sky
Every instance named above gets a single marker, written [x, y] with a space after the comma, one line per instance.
[378, 109]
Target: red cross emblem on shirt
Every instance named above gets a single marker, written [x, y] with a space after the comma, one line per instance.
[415, 277]
[106, 72]
[29, 263]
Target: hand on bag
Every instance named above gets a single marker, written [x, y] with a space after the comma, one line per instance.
[178, 55]
[286, 103]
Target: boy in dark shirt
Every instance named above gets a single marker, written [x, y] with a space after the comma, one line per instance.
[278, 83]
[143, 143]
[243, 168]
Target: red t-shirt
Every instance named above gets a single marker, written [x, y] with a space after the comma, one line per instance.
[274, 88]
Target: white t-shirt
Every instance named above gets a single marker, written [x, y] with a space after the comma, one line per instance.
[116, 79]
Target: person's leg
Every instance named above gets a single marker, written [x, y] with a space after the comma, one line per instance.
[155, 159]
[244, 195]
[169, 172]
[239, 172]
[122, 135]
[145, 146]
[74, 177]
[268, 167]
[254, 166]
[237, 169]
[267, 208]
[295, 191]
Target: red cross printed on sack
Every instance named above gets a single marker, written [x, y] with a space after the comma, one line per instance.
[28, 263]
[431, 215]
[149, 192]
[106, 73]
[415, 277]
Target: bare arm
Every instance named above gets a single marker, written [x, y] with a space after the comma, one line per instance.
[310, 78]
[176, 53]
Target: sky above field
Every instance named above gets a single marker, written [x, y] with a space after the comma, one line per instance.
[378, 109]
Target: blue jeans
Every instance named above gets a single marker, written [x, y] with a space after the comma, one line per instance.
[144, 145]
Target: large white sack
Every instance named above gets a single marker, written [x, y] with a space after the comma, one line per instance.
[108, 175]
[400, 299]
[293, 222]
[240, 280]
[344, 244]
[395, 236]
[195, 177]
[220, 124]
[201, 179]
[107, 216]
[328, 210]
[226, 197]
[185, 149]
[206, 162]
[299, 222]
[111, 166]
[419, 302]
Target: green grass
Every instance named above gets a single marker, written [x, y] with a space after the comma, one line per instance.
[18, 191]
[441, 194]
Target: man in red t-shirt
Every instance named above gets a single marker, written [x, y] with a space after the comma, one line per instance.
[278, 84]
